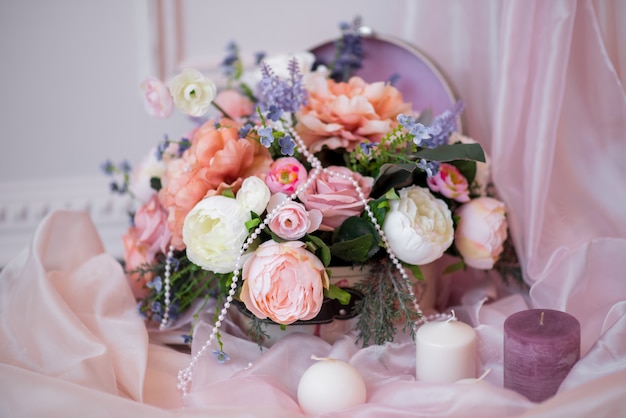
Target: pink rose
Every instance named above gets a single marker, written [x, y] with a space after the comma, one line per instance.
[450, 182]
[293, 221]
[283, 282]
[285, 175]
[234, 103]
[157, 98]
[335, 196]
[481, 232]
[142, 242]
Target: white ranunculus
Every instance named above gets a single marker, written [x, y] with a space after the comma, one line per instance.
[214, 232]
[254, 195]
[419, 226]
[192, 92]
[149, 167]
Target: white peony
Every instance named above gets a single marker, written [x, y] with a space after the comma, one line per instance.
[192, 92]
[419, 226]
[253, 195]
[214, 232]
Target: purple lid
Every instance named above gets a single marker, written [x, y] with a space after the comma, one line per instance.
[420, 82]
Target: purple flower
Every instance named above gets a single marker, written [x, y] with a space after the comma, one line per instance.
[366, 147]
[286, 145]
[267, 137]
[430, 167]
[156, 284]
[221, 356]
[443, 125]
[244, 130]
[286, 95]
[187, 338]
[274, 113]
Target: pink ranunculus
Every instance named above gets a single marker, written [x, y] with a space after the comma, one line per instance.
[285, 175]
[216, 160]
[335, 196]
[144, 241]
[157, 98]
[450, 182]
[283, 282]
[342, 115]
[481, 231]
[293, 221]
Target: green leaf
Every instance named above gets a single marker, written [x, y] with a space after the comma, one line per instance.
[393, 176]
[355, 250]
[355, 240]
[416, 271]
[155, 183]
[252, 223]
[228, 193]
[467, 168]
[459, 265]
[319, 245]
[453, 152]
[337, 293]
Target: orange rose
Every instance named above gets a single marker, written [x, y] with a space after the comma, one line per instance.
[216, 160]
[341, 115]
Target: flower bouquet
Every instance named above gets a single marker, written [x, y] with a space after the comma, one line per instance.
[294, 168]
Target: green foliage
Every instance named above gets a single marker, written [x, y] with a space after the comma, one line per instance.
[337, 293]
[386, 301]
[356, 240]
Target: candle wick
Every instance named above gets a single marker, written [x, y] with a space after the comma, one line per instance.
[541, 320]
[482, 376]
[452, 318]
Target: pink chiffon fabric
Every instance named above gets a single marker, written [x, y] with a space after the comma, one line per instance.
[543, 84]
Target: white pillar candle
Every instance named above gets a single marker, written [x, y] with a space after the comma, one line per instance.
[445, 351]
[330, 385]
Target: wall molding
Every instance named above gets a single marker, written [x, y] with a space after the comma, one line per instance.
[24, 204]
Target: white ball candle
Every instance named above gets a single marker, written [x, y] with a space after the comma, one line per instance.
[330, 385]
[445, 351]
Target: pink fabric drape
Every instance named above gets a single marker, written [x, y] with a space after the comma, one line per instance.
[543, 84]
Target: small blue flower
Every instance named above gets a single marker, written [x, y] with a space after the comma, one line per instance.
[366, 147]
[125, 167]
[142, 314]
[107, 167]
[274, 113]
[183, 146]
[394, 79]
[286, 145]
[267, 136]
[187, 338]
[244, 130]
[420, 132]
[156, 284]
[430, 167]
[157, 308]
[162, 147]
[174, 262]
[258, 57]
[221, 356]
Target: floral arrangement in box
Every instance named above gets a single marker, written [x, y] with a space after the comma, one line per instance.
[294, 168]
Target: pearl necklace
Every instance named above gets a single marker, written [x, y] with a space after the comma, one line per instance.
[185, 376]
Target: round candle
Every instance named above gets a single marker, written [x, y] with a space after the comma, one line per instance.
[445, 351]
[540, 348]
[330, 385]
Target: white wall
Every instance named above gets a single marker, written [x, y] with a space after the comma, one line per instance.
[70, 71]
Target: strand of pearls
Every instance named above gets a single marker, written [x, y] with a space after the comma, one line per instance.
[185, 376]
[166, 278]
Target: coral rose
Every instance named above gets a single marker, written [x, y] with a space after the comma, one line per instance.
[142, 242]
[216, 160]
[481, 232]
[283, 282]
[342, 115]
[335, 196]
[418, 226]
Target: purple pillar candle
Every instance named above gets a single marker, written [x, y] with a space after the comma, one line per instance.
[540, 348]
